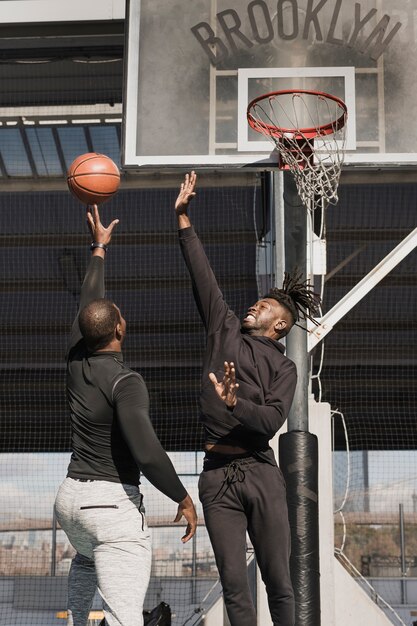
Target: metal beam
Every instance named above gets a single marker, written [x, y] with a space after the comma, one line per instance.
[364, 286]
[296, 341]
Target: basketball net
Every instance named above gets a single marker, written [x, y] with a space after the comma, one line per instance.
[307, 129]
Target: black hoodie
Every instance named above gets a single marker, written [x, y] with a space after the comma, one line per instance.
[266, 377]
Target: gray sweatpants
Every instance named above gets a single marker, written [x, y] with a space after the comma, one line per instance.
[105, 523]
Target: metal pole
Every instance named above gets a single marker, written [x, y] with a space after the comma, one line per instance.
[403, 563]
[273, 190]
[194, 551]
[298, 447]
[194, 571]
[296, 256]
[277, 211]
[53, 548]
[365, 463]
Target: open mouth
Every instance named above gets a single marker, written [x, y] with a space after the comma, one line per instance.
[249, 318]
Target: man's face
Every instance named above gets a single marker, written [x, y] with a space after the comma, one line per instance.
[264, 318]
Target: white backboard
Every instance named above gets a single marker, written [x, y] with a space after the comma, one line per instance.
[192, 66]
[38, 11]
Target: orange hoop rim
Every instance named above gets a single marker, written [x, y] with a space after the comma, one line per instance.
[279, 132]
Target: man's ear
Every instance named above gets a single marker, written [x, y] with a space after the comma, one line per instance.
[279, 326]
[118, 332]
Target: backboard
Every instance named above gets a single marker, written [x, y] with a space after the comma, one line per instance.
[192, 67]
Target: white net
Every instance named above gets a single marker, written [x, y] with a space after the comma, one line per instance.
[308, 131]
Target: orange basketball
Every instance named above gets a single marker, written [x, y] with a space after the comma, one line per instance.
[93, 178]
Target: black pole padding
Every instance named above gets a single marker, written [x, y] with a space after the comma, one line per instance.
[298, 453]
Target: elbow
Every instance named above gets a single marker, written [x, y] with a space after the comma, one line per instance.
[146, 462]
[271, 432]
[278, 422]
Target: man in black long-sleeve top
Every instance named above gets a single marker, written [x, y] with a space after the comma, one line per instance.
[247, 390]
[99, 504]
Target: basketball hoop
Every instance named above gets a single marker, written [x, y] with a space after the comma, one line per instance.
[308, 131]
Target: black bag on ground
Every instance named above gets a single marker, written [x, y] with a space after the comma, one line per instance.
[159, 616]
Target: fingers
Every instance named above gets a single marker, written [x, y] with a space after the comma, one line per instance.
[112, 225]
[95, 226]
[226, 389]
[186, 194]
[188, 186]
[191, 526]
[96, 214]
[230, 372]
[186, 508]
[189, 533]
[229, 377]
[213, 378]
[90, 220]
[190, 179]
[93, 217]
[191, 185]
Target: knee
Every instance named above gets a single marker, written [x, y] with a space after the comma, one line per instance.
[282, 595]
[233, 580]
[278, 584]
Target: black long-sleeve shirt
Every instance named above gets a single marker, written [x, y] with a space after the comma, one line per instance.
[112, 436]
[266, 377]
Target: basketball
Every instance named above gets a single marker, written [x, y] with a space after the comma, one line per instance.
[93, 178]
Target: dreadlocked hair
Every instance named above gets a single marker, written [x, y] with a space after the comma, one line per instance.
[297, 296]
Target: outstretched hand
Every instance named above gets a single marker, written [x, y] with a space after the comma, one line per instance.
[186, 194]
[99, 233]
[227, 387]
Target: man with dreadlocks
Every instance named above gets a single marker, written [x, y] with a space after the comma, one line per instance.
[247, 401]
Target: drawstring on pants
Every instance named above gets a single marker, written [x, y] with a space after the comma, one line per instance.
[234, 472]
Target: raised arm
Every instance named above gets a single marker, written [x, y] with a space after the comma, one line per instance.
[93, 284]
[208, 297]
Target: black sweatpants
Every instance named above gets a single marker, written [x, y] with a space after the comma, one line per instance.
[248, 495]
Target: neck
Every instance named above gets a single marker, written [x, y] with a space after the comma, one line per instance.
[113, 346]
[260, 333]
